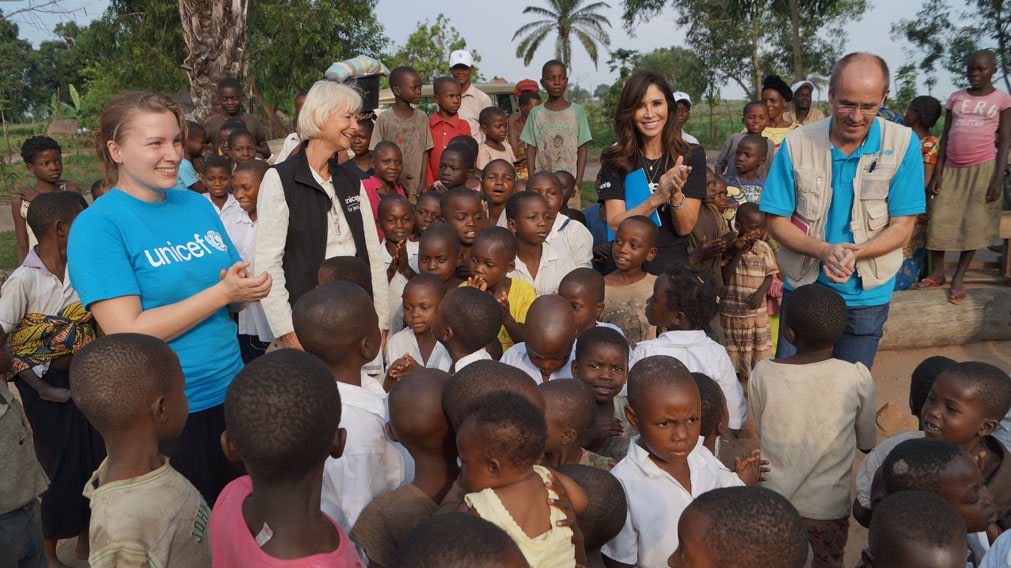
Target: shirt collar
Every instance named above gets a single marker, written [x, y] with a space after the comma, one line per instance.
[453, 121]
[870, 145]
[640, 455]
[363, 398]
[683, 337]
[469, 358]
[548, 256]
[32, 260]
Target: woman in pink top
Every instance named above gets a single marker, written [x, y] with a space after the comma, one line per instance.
[969, 174]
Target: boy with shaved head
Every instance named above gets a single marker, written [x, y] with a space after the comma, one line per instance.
[570, 412]
[417, 421]
[550, 335]
[467, 320]
[130, 387]
[338, 323]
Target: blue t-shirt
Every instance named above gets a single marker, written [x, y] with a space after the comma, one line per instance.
[187, 175]
[905, 197]
[163, 252]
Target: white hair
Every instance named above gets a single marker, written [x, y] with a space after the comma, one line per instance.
[323, 100]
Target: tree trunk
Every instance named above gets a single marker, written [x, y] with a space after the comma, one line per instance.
[215, 35]
[754, 56]
[275, 123]
[798, 65]
[920, 319]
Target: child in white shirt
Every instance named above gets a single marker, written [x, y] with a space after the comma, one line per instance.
[684, 300]
[254, 331]
[400, 253]
[667, 465]
[415, 346]
[338, 323]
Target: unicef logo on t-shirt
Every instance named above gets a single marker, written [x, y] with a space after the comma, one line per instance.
[214, 239]
[185, 252]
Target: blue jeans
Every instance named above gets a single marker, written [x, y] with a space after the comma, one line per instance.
[21, 538]
[859, 342]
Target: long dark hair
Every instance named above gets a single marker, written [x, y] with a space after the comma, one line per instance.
[625, 155]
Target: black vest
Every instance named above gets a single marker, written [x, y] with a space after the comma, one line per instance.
[308, 204]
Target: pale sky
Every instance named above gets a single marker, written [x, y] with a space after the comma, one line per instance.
[488, 28]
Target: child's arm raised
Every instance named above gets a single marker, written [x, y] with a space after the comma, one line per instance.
[996, 187]
[751, 467]
[733, 256]
[514, 327]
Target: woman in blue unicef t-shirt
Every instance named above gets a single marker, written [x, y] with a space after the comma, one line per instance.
[147, 258]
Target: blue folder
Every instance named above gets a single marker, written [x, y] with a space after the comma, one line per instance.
[637, 190]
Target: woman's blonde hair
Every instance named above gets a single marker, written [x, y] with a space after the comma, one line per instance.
[323, 100]
[117, 116]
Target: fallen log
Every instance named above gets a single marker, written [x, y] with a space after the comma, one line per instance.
[921, 319]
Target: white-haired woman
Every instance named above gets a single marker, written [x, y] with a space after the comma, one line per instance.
[310, 209]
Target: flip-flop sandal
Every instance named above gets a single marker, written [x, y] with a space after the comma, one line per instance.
[928, 283]
[956, 296]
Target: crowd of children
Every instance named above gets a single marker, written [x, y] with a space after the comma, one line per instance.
[527, 405]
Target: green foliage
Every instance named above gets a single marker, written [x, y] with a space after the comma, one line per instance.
[292, 42]
[905, 88]
[940, 40]
[579, 95]
[16, 60]
[742, 41]
[136, 44]
[567, 18]
[427, 50]
[8, 250]
[683, 69]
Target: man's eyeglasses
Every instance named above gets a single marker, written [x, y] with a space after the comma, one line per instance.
[866, 110]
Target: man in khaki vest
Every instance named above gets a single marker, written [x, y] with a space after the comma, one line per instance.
[842, 195]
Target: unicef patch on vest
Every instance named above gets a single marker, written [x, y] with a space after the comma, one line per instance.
[353, 204]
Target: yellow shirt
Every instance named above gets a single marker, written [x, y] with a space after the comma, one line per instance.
[777, 134]
[521, 295]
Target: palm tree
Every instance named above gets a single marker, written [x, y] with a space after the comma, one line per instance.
[567, 17]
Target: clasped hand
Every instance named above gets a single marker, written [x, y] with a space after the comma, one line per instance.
[672, 181]
[241, 286]
[839, 261]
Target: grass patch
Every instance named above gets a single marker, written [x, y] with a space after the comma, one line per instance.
[8, 250]
[587, 194]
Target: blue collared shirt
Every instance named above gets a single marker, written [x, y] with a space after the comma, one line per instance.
[906, 197]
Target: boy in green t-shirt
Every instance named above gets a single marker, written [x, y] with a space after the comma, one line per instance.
[557, 131]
